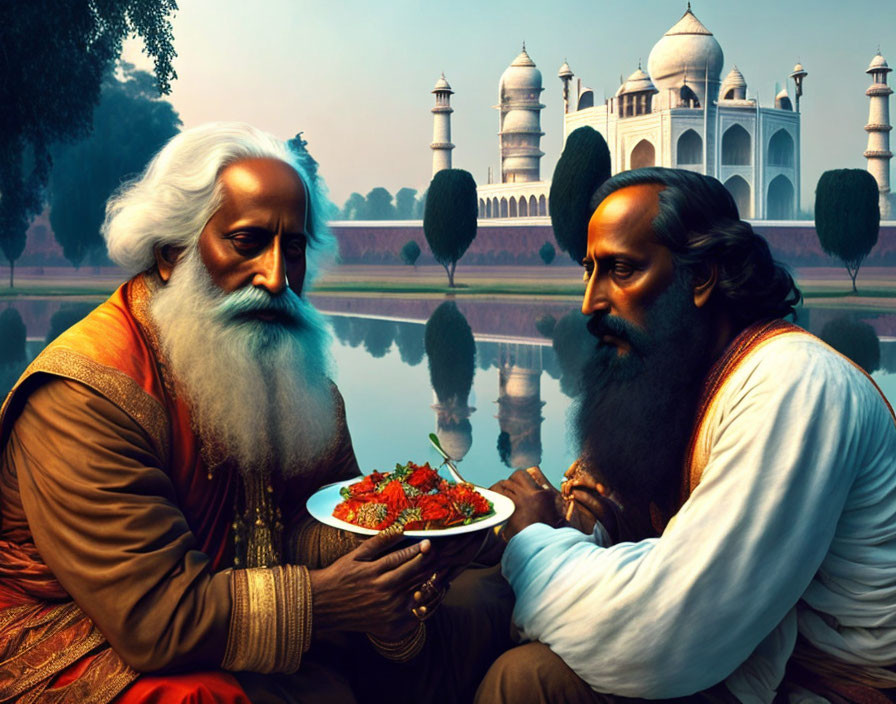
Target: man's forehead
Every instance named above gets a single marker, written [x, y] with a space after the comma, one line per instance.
[630, 207]
[263, 175]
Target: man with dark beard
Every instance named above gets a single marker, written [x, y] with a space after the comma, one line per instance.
[157, 457]
[748, 554]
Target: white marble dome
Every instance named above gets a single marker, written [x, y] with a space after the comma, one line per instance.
[878, 63]
[687, 51]
[521, 76]
[734, 82]
[442, 86]
[638, 82]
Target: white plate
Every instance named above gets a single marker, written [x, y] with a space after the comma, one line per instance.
[324, 500]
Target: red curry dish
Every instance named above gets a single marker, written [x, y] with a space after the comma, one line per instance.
[414, 496]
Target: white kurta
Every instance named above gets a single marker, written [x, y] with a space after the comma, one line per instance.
[792, 526]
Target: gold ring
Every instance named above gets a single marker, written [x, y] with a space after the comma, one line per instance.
[421, 613]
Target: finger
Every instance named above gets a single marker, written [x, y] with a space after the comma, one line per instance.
[379, 543]
[595, 505]
[573, 469]
[409, 575]
[539, 478]
[522, 478]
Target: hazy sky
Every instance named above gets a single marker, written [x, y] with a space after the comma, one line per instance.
[356, 76]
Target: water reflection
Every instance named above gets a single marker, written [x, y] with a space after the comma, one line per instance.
[523, 388]
[451, 353]
[519, 404]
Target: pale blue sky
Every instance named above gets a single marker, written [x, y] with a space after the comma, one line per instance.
[356, 76]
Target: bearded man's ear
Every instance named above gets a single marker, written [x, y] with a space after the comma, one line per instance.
[706, 276]
[166, 257]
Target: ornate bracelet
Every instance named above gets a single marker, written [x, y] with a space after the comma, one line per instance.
[404, 649]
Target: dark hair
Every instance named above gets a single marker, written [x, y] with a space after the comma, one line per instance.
[698, 221]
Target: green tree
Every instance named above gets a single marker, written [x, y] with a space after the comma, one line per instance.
[449, 220]
[379, 205]
[410, 252]
[405, 203]
[583, 166]
[847, 216]
[53, 60]
[547, 253]
[130, 125]
[355, 207]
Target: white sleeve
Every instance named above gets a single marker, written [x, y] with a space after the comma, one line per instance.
[671, 616]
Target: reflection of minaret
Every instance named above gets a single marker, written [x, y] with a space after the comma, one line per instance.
[441, 127]
[519, 404]
[453, 426]
[878, 129]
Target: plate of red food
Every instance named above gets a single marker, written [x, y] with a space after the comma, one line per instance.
[415, 496]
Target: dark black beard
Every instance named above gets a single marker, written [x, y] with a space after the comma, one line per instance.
[636, 412]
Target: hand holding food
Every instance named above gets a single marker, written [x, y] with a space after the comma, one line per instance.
[370, 589]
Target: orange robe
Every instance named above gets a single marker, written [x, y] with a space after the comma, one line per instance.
[108, 371]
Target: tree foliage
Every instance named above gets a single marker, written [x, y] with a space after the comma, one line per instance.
[354, 207]
[449, 220]
[847, 216]
[583, 166]
[547, 253]
[130, 125]
[53, 60]
[379, 205]
[855, 339]
[451, 352]
[410, 252]
[405, 203]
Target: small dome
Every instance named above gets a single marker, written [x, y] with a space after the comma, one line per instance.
[565, 71]
[638, 82]
[687, 53]
[798, 68]
[521, 75]
[442, 86]
[782, 100]
[734, 87]
[878, 63]
[734, 79]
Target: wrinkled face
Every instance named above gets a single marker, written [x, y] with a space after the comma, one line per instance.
[257, 237]
[626, 268]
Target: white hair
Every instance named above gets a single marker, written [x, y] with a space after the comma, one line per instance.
[173, 199]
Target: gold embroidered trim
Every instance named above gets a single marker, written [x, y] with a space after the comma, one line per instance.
[317, 545]
[270, 621]
[115, 385]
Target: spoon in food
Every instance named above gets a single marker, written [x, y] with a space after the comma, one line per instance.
[452, 470]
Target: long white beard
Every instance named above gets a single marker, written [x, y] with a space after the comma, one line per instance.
[258, 390]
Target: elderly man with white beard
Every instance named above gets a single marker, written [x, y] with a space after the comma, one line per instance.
[154, 544]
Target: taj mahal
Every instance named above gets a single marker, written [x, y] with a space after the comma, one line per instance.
[679, 113]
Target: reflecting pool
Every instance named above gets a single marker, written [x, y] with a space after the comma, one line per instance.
[501, 383]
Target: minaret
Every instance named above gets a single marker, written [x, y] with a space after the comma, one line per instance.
[565, 74]
[878, 129]
[520, 132]
[441, 127]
